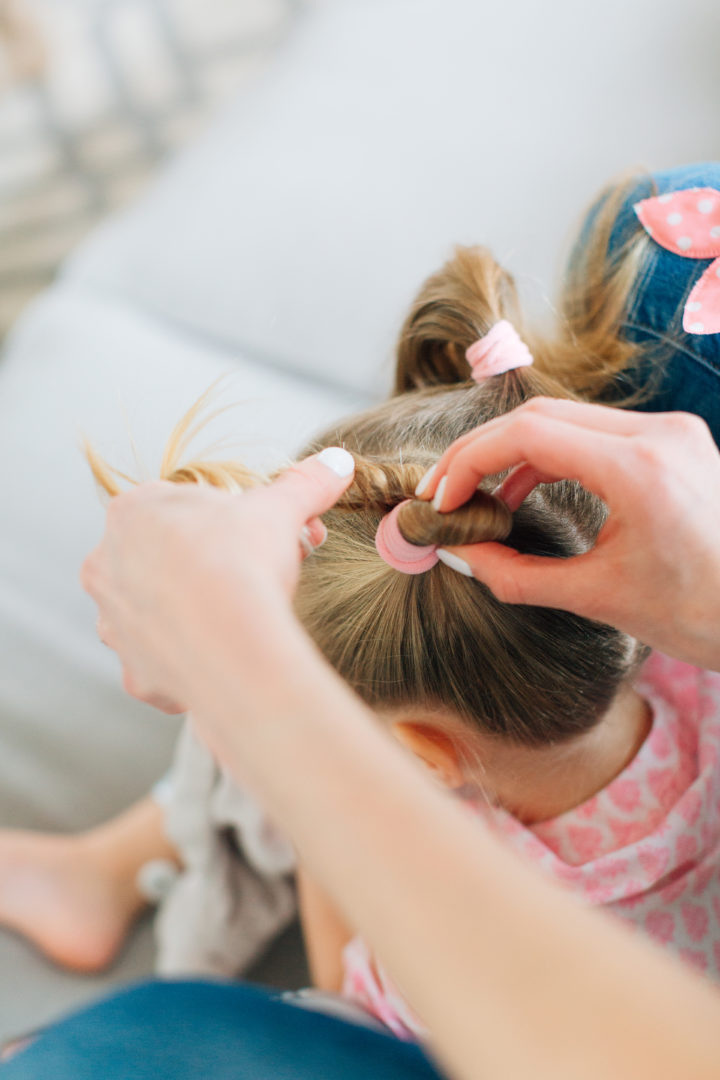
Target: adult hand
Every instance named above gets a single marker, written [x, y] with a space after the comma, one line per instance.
[655, 569]
[177, 553]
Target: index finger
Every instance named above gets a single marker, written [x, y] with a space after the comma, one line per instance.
[601, 418]
[554, 448]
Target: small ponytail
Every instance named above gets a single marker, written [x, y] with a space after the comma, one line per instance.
[481, 518]
[455, 307]
[589, 357]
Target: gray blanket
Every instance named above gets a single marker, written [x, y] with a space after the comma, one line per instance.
[236, 893]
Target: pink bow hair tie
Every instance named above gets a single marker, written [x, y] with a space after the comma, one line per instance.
[688, 224]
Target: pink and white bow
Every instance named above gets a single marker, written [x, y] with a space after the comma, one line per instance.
[688, 223]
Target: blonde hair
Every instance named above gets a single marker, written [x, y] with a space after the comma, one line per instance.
[439, 640]
[586, 353]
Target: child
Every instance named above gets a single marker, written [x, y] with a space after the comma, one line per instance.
[606, 775]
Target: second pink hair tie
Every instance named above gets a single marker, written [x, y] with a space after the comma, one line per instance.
[396, 551]
[500, 350]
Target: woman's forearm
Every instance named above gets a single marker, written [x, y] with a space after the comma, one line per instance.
[512, 976]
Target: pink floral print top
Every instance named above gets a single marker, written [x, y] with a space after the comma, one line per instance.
[647, 846]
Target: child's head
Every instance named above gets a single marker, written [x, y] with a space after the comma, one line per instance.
[439, 641]
[440, 644]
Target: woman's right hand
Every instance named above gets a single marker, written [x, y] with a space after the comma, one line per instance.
[655, 569]
[177, 555]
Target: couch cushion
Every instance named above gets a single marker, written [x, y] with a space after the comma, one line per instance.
[74, 748]
[383, 133]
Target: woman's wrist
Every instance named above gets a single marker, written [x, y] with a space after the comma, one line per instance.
[252, 690]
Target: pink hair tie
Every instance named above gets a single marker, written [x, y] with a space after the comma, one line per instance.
[500, 350]
[396, 551]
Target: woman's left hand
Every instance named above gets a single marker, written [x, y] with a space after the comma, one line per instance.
[175, 554]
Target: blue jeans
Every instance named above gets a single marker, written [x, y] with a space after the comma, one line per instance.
[677, 370]
[192, 1030]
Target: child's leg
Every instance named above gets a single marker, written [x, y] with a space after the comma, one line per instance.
[76, 896]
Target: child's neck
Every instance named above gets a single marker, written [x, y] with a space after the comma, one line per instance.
[535, 784]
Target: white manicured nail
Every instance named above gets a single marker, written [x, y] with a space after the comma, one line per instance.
[425, 480]
[437, 501]
[338, 461]
[454, 562]
[305, 542]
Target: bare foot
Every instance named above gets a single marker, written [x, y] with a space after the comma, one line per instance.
[56, 891]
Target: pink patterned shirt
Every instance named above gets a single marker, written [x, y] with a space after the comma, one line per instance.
[647, 846]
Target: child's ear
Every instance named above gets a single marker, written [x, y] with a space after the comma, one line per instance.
[435, 748]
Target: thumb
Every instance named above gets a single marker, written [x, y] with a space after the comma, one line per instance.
[314, 485]
[527, 579]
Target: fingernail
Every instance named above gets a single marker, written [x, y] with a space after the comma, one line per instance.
[498, 493]
[425, 480]
[437, 501]
[454, 562]
[307, 538]
[338, 461]
[305, 542]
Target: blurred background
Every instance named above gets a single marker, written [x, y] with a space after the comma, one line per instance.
[95, 95]
[192, 188]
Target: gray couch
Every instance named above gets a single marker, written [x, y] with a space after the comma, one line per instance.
[283, 248]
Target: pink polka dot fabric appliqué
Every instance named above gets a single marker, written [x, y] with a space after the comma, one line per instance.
[688, 224]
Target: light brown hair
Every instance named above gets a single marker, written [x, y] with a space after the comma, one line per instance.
[439, 640]
[587, 351]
